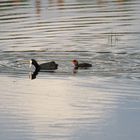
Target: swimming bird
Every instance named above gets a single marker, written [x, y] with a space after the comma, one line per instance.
[49, 66]
[81, 65]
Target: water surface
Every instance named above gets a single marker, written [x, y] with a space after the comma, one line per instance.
[102, 102]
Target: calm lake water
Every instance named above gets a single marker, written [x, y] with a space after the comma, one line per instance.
[100, 103]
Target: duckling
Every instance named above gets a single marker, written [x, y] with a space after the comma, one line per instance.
[81, 65]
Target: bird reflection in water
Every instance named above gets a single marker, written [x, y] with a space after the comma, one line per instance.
[75, 70]
[32, 75]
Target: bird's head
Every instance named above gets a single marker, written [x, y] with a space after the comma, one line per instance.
[34, 62]
[75, 62]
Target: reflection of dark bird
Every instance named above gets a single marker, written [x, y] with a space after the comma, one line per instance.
[33, 75]
[81, 65]
[49, 66]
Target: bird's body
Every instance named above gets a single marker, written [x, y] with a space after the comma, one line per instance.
[84, 65]
[49, 66]
[81, 65]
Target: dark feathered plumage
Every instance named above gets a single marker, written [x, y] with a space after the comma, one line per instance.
[81, 65]
[44, 66]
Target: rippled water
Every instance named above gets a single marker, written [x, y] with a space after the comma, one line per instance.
[101, 103]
